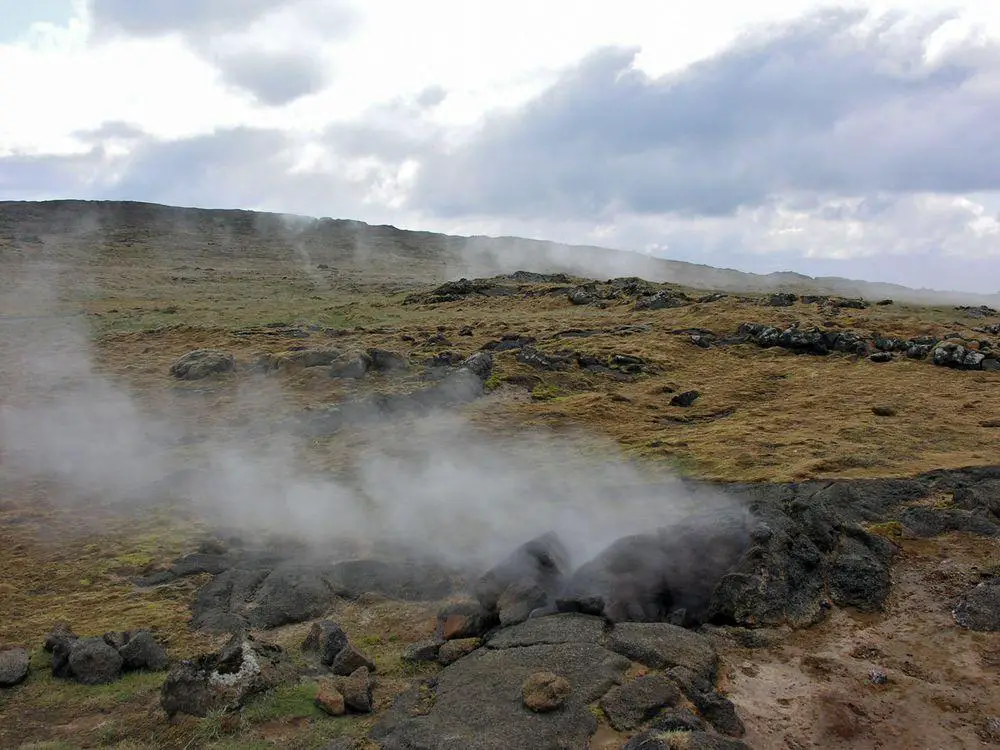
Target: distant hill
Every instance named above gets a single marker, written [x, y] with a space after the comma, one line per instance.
[72, 228]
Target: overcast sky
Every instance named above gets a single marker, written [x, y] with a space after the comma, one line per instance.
[858, 139]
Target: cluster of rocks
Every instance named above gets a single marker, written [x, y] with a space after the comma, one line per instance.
[621, 366]
[644, 295]
[452, 386]
[89, 661]
[813, 340]
[504, 285]
[787, 299]
[544, 682]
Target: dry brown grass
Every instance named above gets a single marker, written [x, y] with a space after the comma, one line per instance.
[762, 415]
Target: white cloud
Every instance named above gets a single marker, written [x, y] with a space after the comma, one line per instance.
[334, 108]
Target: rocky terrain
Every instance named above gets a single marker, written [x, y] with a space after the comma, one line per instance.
[831, 579]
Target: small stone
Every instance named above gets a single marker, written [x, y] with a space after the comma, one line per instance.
[13, 667]
[877, 677]
[452, 651]
[881, 357]
[545, 691]
[330, 701]
[883, 411]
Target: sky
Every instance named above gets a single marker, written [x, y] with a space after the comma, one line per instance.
[852, 139]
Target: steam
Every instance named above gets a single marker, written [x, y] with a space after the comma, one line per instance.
[436, 485]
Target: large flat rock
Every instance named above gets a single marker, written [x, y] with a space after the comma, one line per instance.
[476, 703]
[551, 630]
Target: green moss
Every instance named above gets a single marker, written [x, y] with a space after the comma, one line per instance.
[546, 392]
[287, 701]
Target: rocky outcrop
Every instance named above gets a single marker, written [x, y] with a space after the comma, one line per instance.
[202, 363]
[525, 581]
[98, 660]
[14, 664]
[243, 667]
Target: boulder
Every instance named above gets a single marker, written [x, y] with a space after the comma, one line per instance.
[358, 691]
[782, 299]
[687, 398]
[142, 651]
[859, 571]
[667, 575]
[477, 703]
[303, 358]
[980, 608]
[93, 662]
[61, 634]
[661, 300]
[243, 667]
[330, 701]
[583, 295]
[957, 356]
[879, 357]
[525, 580]
[350, 660]
[550, 630]
[545, 691]
[326, 639]
[719, 711]
[14, 665]
[352, 367]
[465, 620]
[383, 360]
[202, 363]
[634, 703]
[422, 651]
[290, 593]
[452, 651]
[660, 645]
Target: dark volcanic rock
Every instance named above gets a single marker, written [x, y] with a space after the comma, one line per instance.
[358, 691]
[583, 295]
[477, 702]
[660, 645]
[678, 720]
[220, 605]
[353, 367]
[530, 356]
[662, 300]
[720, 712]
[325, 640]
[383, 360]
[143, 651]
[452, 651]
[687, 398]
[859, 571]
[465, 620]
[405, 580]
[659, 740]
[14, 665]
[957, 356]
[422, 651]
[525, 580]
[61, 634]
[980, 608]
[881, 357]
[550, 630]
[243, 667]
[202, 363]
[670, 574]
[349, 660]
[636, 702]
[94, 662]
[289, 594]
[783, 299]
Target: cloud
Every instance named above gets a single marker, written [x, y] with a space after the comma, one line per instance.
[274, 78]
[835, 103]
[274, 50]
[156, 17]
